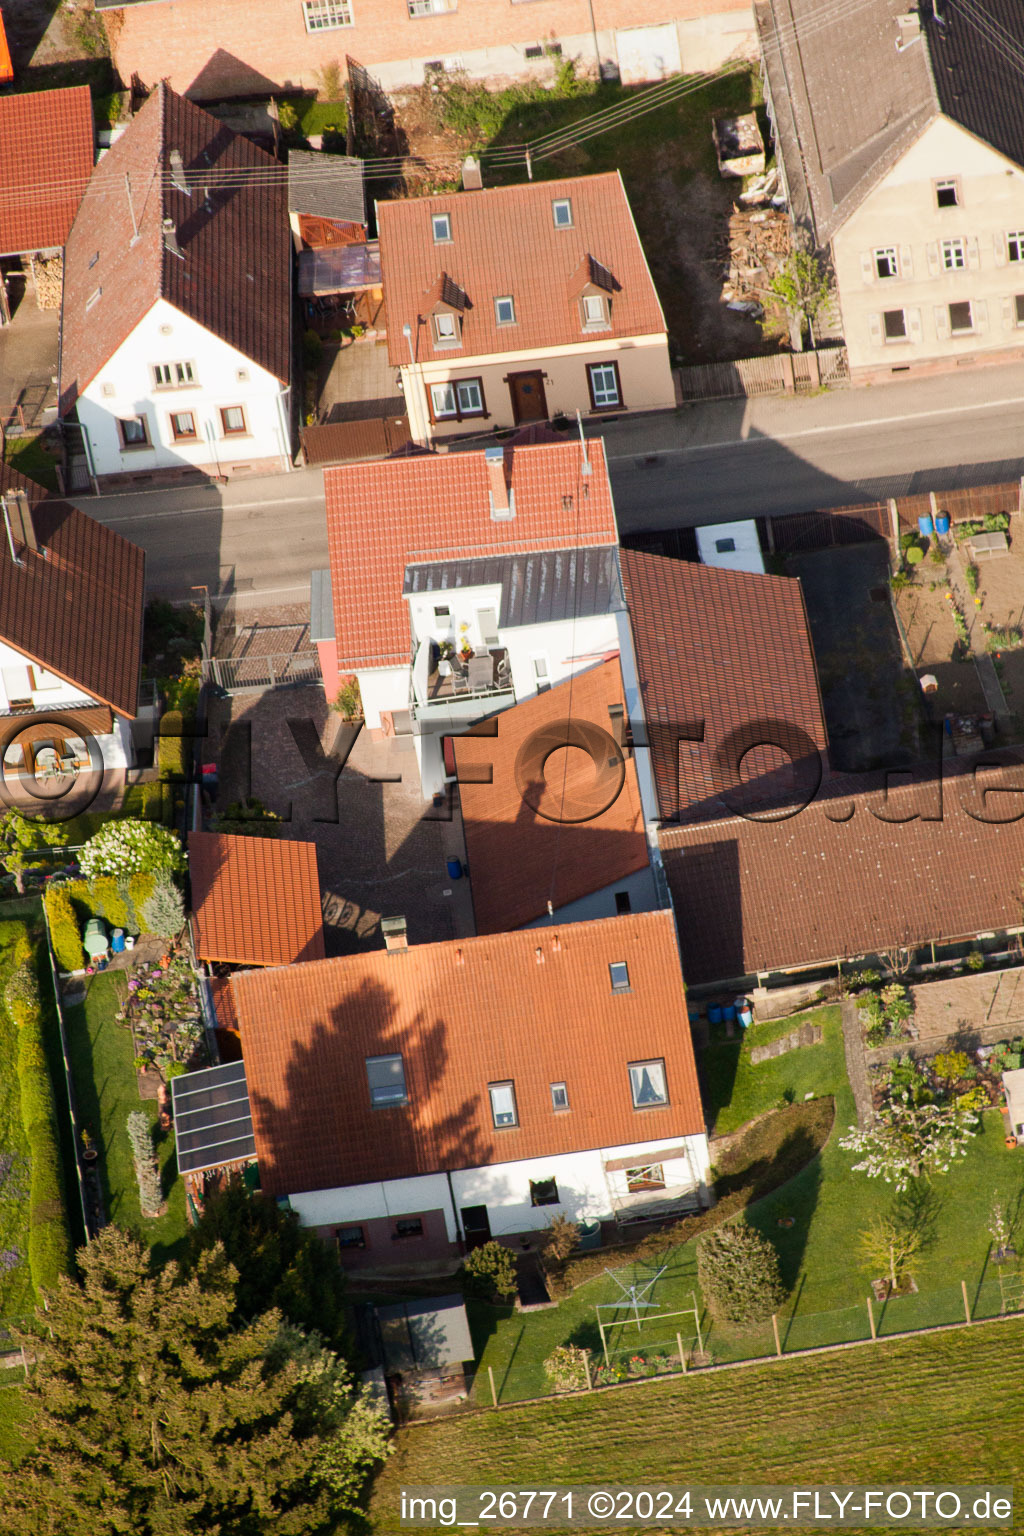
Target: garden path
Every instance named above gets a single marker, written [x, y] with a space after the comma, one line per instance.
[856, 1063]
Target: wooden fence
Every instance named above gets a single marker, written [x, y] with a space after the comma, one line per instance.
[782, 373]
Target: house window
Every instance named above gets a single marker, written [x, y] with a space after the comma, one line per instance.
[603, 380]
[541, 673]
[169, 375]
[647, 1083]
[183, 425]
[430, 7]
[886, 264]
[894, 324]
[622, 903]
[350, 1237]
[505, 310]
[408, 1226]
[463, 397]
[559, 1097]
[385, 1076]
[543, 1192]
[954, 255]
[595, 312]
[725, 546]
[961, 318]
[561, 212]
[134, 431]
[947, 194]
[650, 1177]
[325, 15]
[93, 298]
[232, 421]
[1015, 245]
[1018, 304]
[503, 1104]
[442, 613]
[619, 973]
[442, 223]
[446, 330]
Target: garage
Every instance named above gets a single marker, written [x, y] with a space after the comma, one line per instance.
[647, 53]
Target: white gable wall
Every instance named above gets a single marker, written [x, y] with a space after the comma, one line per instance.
[223, 377]
[902, 214]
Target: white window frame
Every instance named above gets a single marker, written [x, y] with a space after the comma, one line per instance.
[644, 1177]
[183, 437]
[465, 387]
[1018, 310]
[504, 1110]
[618, 974]
[965, 330]
[904, 335]
[431, 7]
[556, 204]
[889, 255]
[599, 392]
[594, 307]
[446, 220]
[510, 317]
[654, 1071]
[948, 184]
[453, 393]
[560, 1091]
[1015, 245]
[326, 15]
[381, 1097]
[174, 375]
[226, 431]
[444, 337]
[954, 254]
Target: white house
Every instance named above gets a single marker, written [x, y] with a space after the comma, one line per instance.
[902, 150]
[413, 1102]
[462, 583]
[71, 604]
[176, 331]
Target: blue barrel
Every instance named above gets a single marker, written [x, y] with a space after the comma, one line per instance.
[942, 523]
[714, 1013]
[694, 1015]
[924, 524]
[117, 941]
[454, 869]
[728, 1012]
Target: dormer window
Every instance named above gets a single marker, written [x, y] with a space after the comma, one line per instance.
[561, 212]
[446, 330]
[505, 310]
[595, 312]
[442, 223]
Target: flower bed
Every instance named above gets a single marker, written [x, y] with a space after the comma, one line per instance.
[161, 1008]
[949, 1077]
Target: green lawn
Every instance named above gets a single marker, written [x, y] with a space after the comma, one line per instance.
[17, 1297]
[737, 1091]
[31, 456]
[942, 1409]
[13, 1414]
[106, 1090]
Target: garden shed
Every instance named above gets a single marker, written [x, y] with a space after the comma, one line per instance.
[428, 1335]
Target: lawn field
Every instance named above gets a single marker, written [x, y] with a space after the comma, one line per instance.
[941, 1409]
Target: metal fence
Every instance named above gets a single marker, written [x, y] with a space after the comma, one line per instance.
[782, 373]
[244, 674]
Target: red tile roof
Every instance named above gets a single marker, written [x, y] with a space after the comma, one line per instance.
[255, 900]
[504, 243]
[235, 278]
[836, 881]
[732, 649]
[534, 1007]
[519, 859]
[77, 610]
[46, 159]
[384, 515]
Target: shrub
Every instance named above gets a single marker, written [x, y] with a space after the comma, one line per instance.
[951, 1066]
[491, 1267]
[937, 555]
[108, 901]
[23, 988]
[65, 934]
[174, 744]
[147, 1173]
[908, 540]
[561, 1239]
[877, 1033]
[997, 522]
[896, 1005]
[287, 116]
[738, 1271]
[899, 581]
[247, 818]
[975, 961]
[914, 555]
[312, 350]
[566, 1368]
[971, 577]
[348, 702]
[873, 1011]
[140, 888]
[165, 911]
[860, 979]
[973, 1100]
[131, 847]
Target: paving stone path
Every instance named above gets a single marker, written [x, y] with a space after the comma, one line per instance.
[856, 1062]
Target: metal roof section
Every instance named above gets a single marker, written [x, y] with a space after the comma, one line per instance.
[535, 589]
[212, 1117]
[321, 606]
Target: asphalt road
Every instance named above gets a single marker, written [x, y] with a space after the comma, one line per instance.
[706, 463]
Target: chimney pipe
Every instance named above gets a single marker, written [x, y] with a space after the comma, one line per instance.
[178, 179]
[472, 176]
[171, 240]
[395, 935]
[501, 500]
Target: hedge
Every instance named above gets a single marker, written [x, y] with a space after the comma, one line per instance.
[49, 1242]
[64, 931]
[174, 745]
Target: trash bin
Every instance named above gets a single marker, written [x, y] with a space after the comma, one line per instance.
[117, 941]
[714, 1013]
[924, 524]
[942, 523]
[590, 1234]
[454, 869]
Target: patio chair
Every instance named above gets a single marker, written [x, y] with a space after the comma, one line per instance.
[460, 679]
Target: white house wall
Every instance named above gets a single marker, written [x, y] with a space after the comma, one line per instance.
[223, 377]
[639, 886]
[504, 1188]
[57, 694]
[382, 689]
[902, 214]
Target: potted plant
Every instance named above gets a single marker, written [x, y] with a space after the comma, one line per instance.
[89, 1152]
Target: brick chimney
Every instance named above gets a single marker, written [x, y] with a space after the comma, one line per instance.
[395, 934]
[502, 500]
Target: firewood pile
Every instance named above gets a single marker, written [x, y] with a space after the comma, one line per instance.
[757, 244]
[48, 275]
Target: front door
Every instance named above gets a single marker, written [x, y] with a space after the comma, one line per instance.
[527, 392]
[476, 1225]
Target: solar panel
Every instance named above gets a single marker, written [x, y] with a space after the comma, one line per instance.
[212, 1117]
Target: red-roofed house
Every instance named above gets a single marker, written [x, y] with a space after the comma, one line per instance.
[255, 900]
[46, 159]
[176, 332]
[408, 1099]
[506, 556]
[518, 304]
